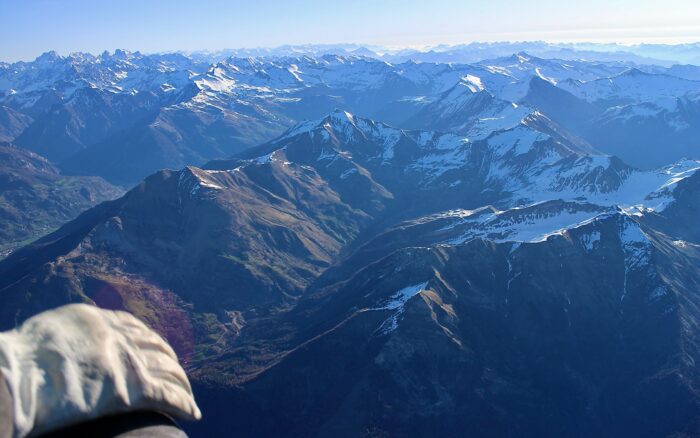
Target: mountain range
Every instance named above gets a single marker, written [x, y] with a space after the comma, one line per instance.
[125, 115]
[338, 244]
[660, 54]
[404, 261]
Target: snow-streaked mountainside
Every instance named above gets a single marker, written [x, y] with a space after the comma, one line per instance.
[123, 115]
[632, 86]
[545, 181]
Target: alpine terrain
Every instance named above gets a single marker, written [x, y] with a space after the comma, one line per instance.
[477, 240]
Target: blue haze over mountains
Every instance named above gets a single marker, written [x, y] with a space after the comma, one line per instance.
[347, 240]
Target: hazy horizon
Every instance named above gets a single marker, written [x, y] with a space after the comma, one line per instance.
[166, 26]
[381, 49]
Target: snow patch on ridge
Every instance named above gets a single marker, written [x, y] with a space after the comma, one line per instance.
[474, 83]
[590, 241]
[503, 226]
[396, 303]
[635, 244]
[636, 248]
[192, 180]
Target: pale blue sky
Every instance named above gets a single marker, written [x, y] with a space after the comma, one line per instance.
[30, 27]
